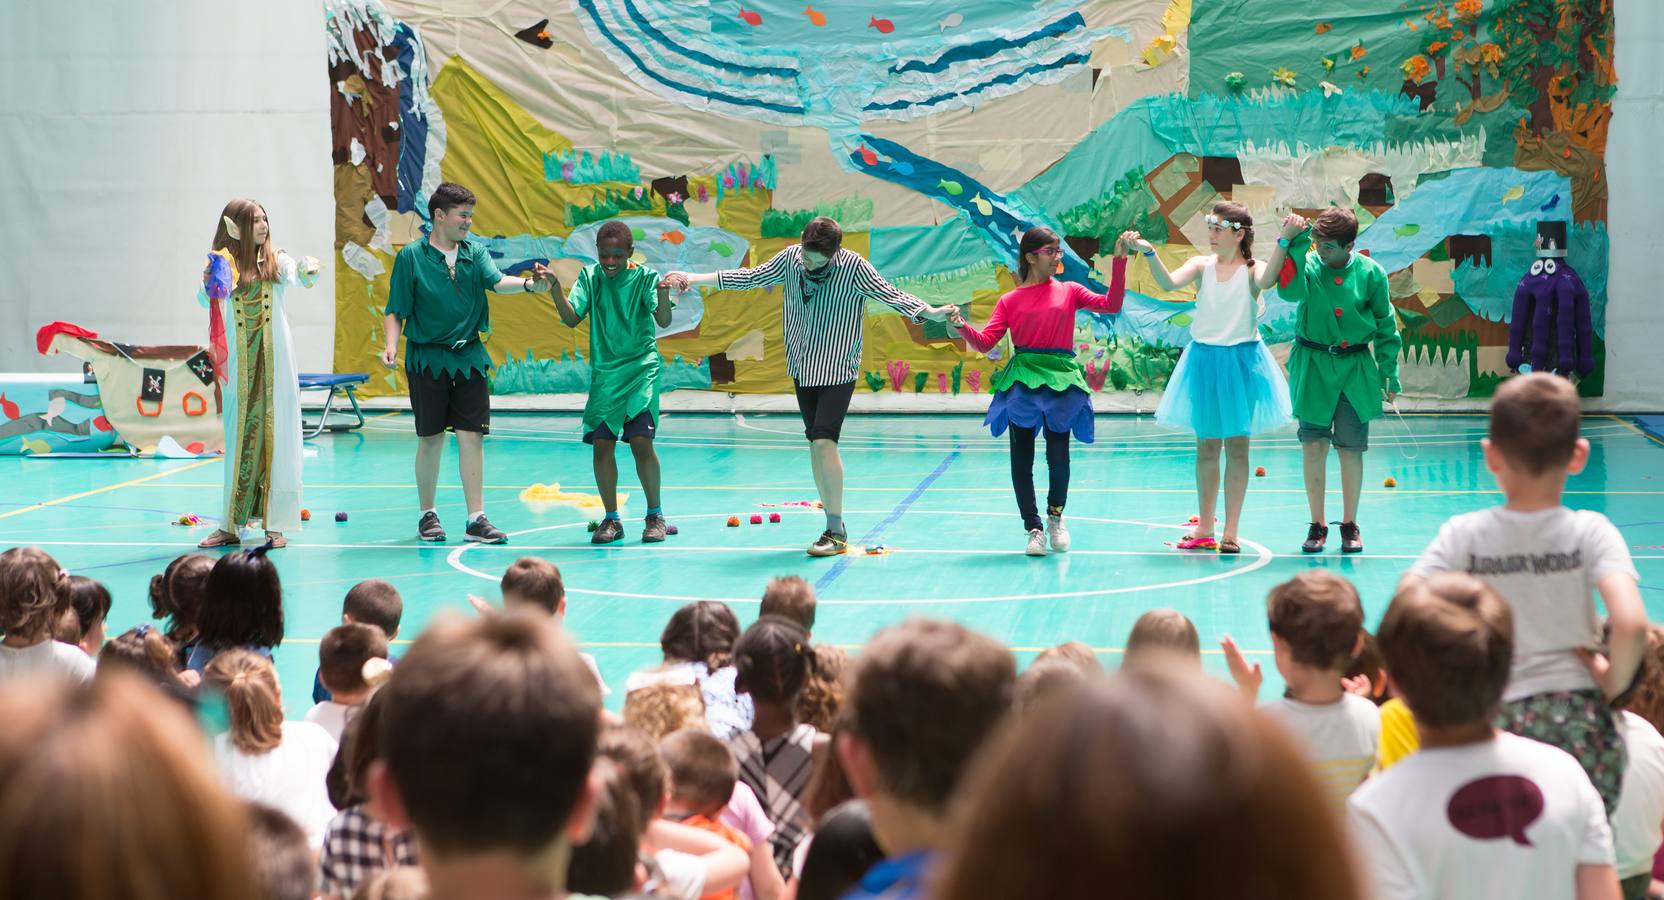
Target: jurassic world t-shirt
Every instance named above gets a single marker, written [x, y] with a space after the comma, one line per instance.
[1508, 817]
[1545, 565]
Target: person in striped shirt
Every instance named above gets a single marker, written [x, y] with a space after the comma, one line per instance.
[823, 307]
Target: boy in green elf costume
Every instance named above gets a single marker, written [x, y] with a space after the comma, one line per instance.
[1344, 360]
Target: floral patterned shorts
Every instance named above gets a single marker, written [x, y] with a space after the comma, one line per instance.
[1581, 723]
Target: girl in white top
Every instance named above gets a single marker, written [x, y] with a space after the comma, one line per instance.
[263, 758]
[1226, 386]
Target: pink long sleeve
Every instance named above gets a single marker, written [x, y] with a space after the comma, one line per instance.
[1042, 316]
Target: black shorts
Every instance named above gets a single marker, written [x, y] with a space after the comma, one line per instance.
[450, 402]
[641, 425]
[824, 409]
[1346, 431]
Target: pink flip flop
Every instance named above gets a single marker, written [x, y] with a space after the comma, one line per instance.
[1193, 542]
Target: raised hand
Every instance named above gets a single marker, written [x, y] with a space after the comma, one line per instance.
[1247, 676]
[542, 274]
[1293, 224]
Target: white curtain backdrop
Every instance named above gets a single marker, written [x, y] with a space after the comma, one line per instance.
[1635, 311]
[124, 129]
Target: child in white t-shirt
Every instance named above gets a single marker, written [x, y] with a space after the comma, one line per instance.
[341, 657]
[1316, 629]
[34, 591]
[1546, 561]
[1638, 822]
[1476, 812]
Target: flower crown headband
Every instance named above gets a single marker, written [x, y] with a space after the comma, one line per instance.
[1222, 223]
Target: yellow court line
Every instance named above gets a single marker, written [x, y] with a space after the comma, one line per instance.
[111, 487]
[632, 645]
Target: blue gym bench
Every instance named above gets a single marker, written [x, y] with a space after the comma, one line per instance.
[338, 385]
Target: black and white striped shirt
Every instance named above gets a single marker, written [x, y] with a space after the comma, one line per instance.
[823, 317]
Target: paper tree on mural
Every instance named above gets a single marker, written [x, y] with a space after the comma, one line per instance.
[1551, 320]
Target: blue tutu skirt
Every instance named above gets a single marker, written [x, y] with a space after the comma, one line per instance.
[1226, 391]
[1069, 409]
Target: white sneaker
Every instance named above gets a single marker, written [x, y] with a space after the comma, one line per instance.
[1036, 542]
[1057, 534]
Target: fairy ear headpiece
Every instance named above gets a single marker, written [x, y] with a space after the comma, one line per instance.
[1218, 222]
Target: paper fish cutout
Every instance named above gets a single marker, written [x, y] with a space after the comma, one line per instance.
[953, 188]
[884, 26]
[722, 250]
[1513, 193]
[1329, 90]
[901, 167]
[673, 237]
[1323, 28]
[231, 229]
[8, 408]
[54, 409]
[639, 234]
[537, 35]
[1551, 204]
[868, 156]
[953, 20]
[1406, 230]
[816, 17]
[982, 205]
[751, 17]
[36, 446]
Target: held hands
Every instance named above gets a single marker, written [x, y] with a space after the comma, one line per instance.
[957, 318]
[939, 313]
[1132, 240]
[543, 275]
[1293, 224]
[676, 281]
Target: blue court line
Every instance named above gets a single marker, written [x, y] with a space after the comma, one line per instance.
[894, 516]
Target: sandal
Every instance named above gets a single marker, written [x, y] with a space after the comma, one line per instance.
[276, 540]
[1228, 545]
[1198, 542]
[220, 538]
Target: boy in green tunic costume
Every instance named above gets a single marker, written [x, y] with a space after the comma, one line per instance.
[1344, 360]
[625, 304]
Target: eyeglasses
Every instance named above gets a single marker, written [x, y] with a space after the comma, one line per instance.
[1047, 251]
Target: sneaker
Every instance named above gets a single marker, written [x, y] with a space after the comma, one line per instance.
[481, 531]
[1056, 534]
[1316, 535]
[429, 528]
[608, 531]
[1036, 542]
[1351, 540]
[830, 543]
[655, 529]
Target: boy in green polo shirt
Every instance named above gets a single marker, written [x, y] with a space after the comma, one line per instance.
[1345, 357]
[625, 304]
[437, 300]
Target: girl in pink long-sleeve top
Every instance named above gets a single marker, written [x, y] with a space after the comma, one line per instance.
[1042, 387]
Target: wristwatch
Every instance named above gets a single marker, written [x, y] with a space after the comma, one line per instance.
[1283, 242]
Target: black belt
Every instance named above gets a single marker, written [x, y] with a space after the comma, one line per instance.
[1340, 349]
[452, 346]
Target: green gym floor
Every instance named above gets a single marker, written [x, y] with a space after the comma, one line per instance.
[934, 490]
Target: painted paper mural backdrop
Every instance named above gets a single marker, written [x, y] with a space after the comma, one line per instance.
[937, 131]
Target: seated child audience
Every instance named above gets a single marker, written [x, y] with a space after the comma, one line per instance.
[703, 777]
[660, 703]
[146, 652]
[373, 602]
[533, 583]
[109, 794]
[608, 863]
[488, 737]
[1156, 783]
[263, 758]
[341, 657]
[843, 849]
[691, 863]
[242, 607]
[1546, 562]
[823, 691]
[1316, 629]
[777, 754]
[402, 883]
[176, 595]
[699, 639]
[1638, 822]
[791, 597]
[1476, 812]
[34, 592]
[1163, 632]
[925, 697]
[358, 845]
[91, 602]
[283, 862]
